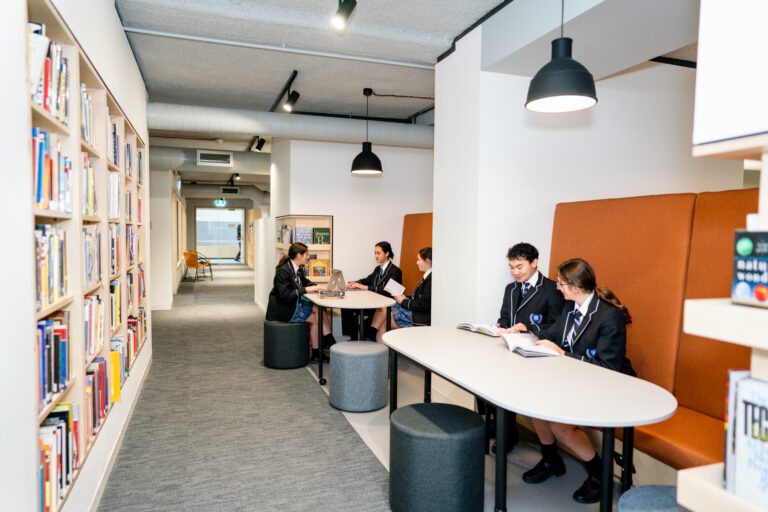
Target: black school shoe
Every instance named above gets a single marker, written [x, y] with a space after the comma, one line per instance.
[589, 492]
[315, 357]
[545, 469]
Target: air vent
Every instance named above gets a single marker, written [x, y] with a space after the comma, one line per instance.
[214, 158]
[230, 190]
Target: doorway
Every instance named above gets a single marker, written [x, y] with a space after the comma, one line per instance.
[219, 234]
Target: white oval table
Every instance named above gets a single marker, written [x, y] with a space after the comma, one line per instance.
[560, 389]
[353, 299]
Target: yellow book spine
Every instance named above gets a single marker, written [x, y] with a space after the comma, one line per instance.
[114, 381]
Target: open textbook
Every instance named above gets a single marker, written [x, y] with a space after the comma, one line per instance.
[394, 288]
[487, 329]
[524, 343]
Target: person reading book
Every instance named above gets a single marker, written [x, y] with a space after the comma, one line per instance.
[591, 328]
[376, 281]
[413, 310]
[287, 302]
[531, 303]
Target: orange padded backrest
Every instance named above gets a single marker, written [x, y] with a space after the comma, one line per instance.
[190, 258]
[417, 233]
[638, 247]
[702, 364]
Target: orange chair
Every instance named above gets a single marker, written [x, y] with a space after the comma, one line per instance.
[192, 260]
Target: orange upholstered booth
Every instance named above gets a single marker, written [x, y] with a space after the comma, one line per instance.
[417, 233]
[654, 252]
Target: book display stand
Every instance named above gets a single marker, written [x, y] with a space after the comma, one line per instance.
[316, 232]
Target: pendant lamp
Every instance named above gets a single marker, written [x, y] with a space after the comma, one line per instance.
[562, 85]
[366, 162]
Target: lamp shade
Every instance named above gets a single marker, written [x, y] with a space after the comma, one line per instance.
[562, 85]
[366, 162]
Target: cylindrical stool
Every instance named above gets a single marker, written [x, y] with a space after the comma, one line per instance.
[436, 459]
[358, 376]
[286, 344]
[650, 498]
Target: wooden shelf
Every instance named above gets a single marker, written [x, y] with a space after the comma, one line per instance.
[55, 401]
[131, 267]
[116, 275]
[701, 489]
[116, 330]
[93, 288]
[84, 146]
[129, 222]
[742, 148]
[90, 359]
[129, 177]
[92, 219]
[311, 247]
[114, 220]
[112, 167]
[51, 214]
[45, 120]
[721, 320]
[54, 307]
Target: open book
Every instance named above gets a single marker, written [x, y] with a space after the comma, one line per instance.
[524, 343]
[394, 288]
[487, 329]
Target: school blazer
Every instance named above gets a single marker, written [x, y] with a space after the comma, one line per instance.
[376, 283]
[544, 299]
[420, 303]
[601, 338]
[286, 293]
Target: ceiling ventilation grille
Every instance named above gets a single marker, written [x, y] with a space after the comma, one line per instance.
[214, 158]
[230, 190]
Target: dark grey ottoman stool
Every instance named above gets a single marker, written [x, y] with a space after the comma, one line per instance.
[650, 498]
[286, 344]
[358, 376]
[436, 459]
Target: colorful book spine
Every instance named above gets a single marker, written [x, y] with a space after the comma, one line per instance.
[51, 172]
[51, 264]
[52, 92]
[89, 185]
[52, 350]
[113, 195]
[91, 255]
[115, 305]
[115, 245]
[93, 314]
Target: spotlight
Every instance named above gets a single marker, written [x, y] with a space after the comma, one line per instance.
[366, 162]
[237, 177]
[257, 143]
[339, 21]
[291, 101]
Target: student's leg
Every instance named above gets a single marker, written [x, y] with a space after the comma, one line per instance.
[312, 321]
[383, 329]
[326, 320]
[551, 464]
[378, 319]
[576, 439]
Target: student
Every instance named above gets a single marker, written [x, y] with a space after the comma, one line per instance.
[376, 281]
[591, 328]
[531, 302]
[287, 302]
[413, 310]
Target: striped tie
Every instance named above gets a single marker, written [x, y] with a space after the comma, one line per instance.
[526, 287]
[577, 317]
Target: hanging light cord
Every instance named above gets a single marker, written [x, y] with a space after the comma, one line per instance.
[562, 17]
[366, 119]
[402, 96]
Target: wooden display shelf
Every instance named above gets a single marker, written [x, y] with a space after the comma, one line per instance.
[46, 121]
[97, 431]
[129, 177]
[51, 214]
[92, 219]
[701, 489]
[54, 307]
[311, 247]
[114, 220]
[90, 359]
[131, 267]
[93, 288]
[67, 489]
[112, 167]
[55, 401]
[721, 320]
[116, 330]
[84, 146]
[116, 275]
[129, 222]
[750, 147]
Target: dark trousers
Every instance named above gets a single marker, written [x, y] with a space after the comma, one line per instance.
[350, 323]
[489, 411]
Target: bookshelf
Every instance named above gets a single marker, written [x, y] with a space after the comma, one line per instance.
[97, 159]
[285, 234]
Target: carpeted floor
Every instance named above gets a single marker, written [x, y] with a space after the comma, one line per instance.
[215, 430]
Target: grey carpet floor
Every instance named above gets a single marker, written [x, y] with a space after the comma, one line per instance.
[213, 429]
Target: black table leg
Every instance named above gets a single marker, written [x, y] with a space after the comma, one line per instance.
[320, 344]
[389, 319]
[626, 458]
[606, 485]
[501, 461]
[361, 333]
[392, 381]
[427, 386]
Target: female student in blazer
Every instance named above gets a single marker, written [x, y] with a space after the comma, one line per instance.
[382, 273]
[413, 310]
[286, 300]
[591, 328]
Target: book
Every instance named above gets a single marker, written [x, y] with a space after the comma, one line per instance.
[319, 267]
[734, 377]
[321, 236]
[394, 288]
[487, 329]
[304, 235]
[751, 439]
[524, 344]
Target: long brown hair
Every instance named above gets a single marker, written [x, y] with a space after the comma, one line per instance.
[577, 272]
[294, 250]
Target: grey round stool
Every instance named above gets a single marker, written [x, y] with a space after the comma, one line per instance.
[358, 376]
[286, 344]
[436, 459]
[650, 498]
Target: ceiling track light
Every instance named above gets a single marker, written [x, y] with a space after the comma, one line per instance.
[257, 143]
[366, 162]
[290, 103]
[562, 85]
[237, 177]
[341, 18]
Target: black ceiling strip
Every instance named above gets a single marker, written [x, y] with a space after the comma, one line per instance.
[423, 111]
[675, 62]
[351, 116]
[473, 27]
[284, 90]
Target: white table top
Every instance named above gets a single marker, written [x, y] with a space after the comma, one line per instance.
[560, 389]
[354, 299]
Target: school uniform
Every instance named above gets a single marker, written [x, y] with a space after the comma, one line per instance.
[288, 288]
[538, 308]
[376, 281]
[595, 333]
[419, 303]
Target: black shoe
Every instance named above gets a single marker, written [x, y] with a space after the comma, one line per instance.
[512, 439]
[589, 492]
[543, 470]
[370, 333]
[328, 341]
[315, 357]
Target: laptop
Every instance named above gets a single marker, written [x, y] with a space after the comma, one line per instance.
[336, 286]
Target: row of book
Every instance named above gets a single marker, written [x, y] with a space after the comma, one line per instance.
[142, 285]
[93, 325]
[128, 160]
[113, 144]
[129, 205]
[51, 258]
[321, 236]
[88, 128]
[140, 177]
[113, 195]
[52, 172]
[115, 235]
[138, 210]
[91, 255]
[115, 302]
[52, 353]
[90, 206]
[131, 290]
[58, 444]
[131, 242]
[48, 73]
[96, 395]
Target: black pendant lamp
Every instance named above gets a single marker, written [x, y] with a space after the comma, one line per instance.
[562, 85]
[366, 162]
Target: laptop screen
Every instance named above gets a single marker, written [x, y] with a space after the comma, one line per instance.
[336, 282]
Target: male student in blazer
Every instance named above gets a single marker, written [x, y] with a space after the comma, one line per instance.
[531, 302]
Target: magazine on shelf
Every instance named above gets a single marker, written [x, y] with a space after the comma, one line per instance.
[487, 329]
[750, 475]
[524, 343]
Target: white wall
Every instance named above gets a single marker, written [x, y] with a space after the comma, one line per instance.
[280, 178]
[161, 238]
[99, 31]
[264, 260]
